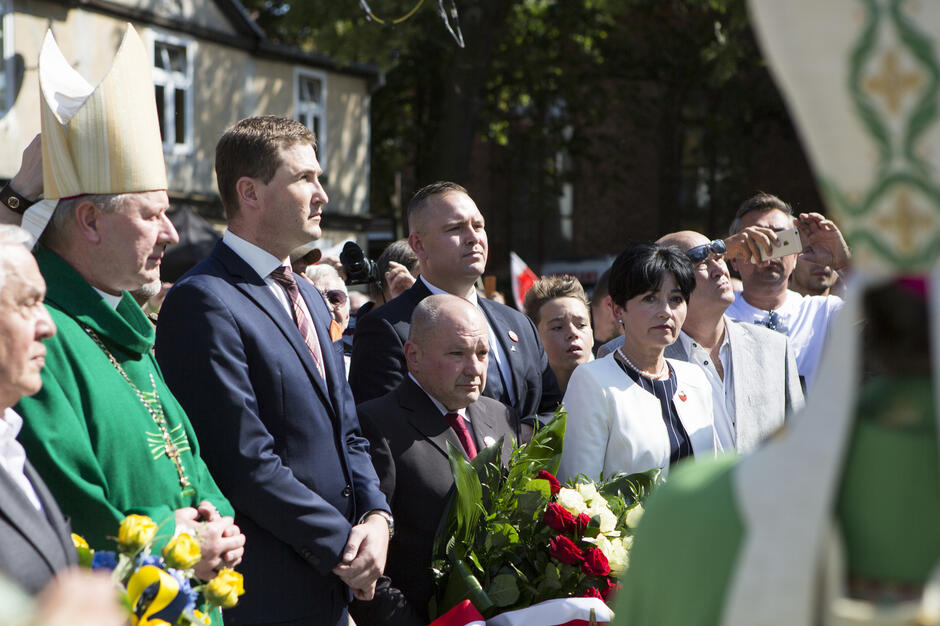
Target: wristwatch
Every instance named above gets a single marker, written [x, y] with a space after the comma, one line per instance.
[384, 515]
[14, 201]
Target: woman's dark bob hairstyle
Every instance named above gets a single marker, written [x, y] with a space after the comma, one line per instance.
[641, 268]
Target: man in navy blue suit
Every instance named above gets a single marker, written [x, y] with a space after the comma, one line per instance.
[448, 235]
[245, 346]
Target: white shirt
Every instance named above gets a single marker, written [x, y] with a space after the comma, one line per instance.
[495, 349]
[12, 455]
[264, 263]
[804, 319]
[722, 390]
[111, 299]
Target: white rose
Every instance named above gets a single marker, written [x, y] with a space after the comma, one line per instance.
[572, 501]
[617, 556]
[589, 492]
[608, 521]
[634, 515]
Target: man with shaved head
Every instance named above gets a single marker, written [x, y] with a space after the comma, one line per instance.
[752, 371]
[448, 235]
[438, 402]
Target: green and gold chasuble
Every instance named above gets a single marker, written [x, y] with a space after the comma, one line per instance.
[91, 436]
[888, 509]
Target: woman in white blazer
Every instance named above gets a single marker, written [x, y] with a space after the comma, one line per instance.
[634, 410]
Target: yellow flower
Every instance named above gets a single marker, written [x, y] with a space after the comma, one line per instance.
[79, 542]
[182, 552]
[135, 533]
[203, 617]
[224, 589]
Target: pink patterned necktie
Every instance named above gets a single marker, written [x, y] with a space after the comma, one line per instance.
[285, 278]
[463, 433]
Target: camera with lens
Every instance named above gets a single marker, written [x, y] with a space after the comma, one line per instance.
[360, 270]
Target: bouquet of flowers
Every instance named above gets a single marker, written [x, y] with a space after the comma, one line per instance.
[512, 539]
[160, 590]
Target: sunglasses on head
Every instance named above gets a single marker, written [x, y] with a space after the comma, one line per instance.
[700, 253]
[336, 297]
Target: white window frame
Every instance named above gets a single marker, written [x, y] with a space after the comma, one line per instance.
[303, 109]
[170, 81]
[9, 56]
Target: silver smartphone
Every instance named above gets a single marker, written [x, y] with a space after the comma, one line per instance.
[789, 244]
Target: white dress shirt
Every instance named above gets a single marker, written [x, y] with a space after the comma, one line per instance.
[722, 390]
[496, 350]
[12, 455]
[264, 263]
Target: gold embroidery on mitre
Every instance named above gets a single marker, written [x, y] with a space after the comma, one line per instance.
[101, 140]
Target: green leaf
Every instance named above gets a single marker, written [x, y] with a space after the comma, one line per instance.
[468, 500]
[462, 585]
[631, 487]
[540, 485]
[503, 591]
[542, 452]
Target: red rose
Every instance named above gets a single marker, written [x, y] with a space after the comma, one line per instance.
[564, 550]
[558, 518]
[591, 592]
[582, 522]
[556, 486]
[609, 588]
[595, 563]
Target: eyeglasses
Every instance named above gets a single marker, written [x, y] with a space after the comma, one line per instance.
[698, 254]
[335, 297]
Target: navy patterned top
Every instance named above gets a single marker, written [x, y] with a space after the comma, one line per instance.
[664, 390]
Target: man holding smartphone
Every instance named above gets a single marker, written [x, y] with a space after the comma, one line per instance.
[765, 298]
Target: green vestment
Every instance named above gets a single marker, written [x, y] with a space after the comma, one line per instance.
[685, 550]
[87, 432]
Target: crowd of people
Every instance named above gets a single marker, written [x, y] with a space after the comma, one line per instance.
[308, 451]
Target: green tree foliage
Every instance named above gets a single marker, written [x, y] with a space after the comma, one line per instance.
[553, 90]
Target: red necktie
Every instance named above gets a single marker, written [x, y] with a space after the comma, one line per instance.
[463, 433]
[285, 278]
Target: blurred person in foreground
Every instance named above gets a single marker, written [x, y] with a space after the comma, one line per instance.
[105, 432]
[558, 307]
[438, 402]
[635, 410]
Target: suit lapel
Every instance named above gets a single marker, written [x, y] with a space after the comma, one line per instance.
[426, 419]
[742, 361]
[60, 525]
[253, 286]
[32, 524]
[513, 357]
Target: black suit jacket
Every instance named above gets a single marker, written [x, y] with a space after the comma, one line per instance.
[283, 444]
[378, 357]
[408, 438]
[34, 545]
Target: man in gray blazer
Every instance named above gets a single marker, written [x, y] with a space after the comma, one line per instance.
[34, 536]
[752, 370]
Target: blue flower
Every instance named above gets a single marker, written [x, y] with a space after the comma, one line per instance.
[185, 588]
[149, 559]
[103, 559]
